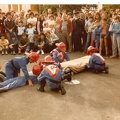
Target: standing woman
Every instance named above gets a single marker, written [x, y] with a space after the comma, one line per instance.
[57, 27]
[39, 24]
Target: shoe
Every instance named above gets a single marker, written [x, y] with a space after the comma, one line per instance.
[62, 89]
[68, 76]
[106, 70]
[42, 52]
[113, 56]
[41, 89]
[14, 53]
[11, 53]
[4, 89]
[19, 52]
[95, 71]
[107, 56]
[3, 53]
[6, 52]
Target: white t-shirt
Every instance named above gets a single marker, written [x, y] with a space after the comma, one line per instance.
[31, 20]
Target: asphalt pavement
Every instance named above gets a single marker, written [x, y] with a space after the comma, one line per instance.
[97, 97]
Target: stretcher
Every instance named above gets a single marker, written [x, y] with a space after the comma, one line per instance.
[76, 65]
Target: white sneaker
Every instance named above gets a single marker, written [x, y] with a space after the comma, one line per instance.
[6, 52]
[14, 53]
[3, 53]
[42, 52]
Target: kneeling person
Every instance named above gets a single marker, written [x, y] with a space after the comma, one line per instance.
[96, 62]
[52, 75]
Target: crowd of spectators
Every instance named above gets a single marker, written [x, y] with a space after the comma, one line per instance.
[78, 30]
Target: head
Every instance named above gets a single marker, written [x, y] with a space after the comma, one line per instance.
[2, 36]
[91, 49]
[33, 56]
[24, 35]
[61, 46]
[116, 19]
[13, 37]
[30, 25]
[104, 21]
[91, 19]
[36, 70]
[20, 23]
[48, 60]
[64, 16]
[8, 15]
[76, 14]
[42, 36]
[31, 14]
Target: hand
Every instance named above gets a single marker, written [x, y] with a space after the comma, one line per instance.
[70, 34]
[10, 30]
[30, 83]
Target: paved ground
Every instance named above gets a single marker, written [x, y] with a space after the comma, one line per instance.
[97, 97]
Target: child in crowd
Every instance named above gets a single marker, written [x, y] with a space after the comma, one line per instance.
[30, 32]
[52, 38]
[20, 29]
[104, 32]
[13, 44]
[23, 44]
[4, 44]
[116, 37]
[40, 44]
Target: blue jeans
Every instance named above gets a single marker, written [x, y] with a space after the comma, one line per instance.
[116, 44]
[88, 41]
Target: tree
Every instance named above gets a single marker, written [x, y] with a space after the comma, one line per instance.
[108, 7]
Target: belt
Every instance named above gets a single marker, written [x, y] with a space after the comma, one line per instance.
[11, 61]
[56, 82]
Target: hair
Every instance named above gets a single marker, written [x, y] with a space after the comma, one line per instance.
[116, 17]
[29, 24]
[104, 19]
[24, 34]
[8, 13]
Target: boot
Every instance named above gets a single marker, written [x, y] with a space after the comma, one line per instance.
[4, 89]
[42, 85]
[106, 70]
[67, 76]
[62, 89]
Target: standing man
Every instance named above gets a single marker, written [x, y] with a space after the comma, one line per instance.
[78, 28]
[66, 31]
[12, 67]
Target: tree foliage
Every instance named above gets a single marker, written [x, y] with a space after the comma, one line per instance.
[68, 8]
[107, 7]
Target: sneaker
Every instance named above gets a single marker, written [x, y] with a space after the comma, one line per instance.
[19, 52]
[3, 53]
[14, 53]
[62, 89]
[112, 56]
[42, 52]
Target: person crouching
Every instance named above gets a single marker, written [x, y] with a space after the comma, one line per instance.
[96, 62]
[52, 75]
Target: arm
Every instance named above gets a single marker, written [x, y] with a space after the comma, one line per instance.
[38, 27]
[66, 56]
[56, 58]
